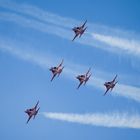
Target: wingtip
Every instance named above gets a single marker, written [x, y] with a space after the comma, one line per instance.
[77, 88]
[85, 21]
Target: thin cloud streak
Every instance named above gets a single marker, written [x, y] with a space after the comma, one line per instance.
[118, 120]
[130, 46]
[39, 14]
[27, 55]
[45, 61]
[33, 24]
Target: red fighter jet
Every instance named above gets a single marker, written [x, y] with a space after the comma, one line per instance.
[110, 85]
[83, 78]
[32, 112]
[79, 30]
[57, 70]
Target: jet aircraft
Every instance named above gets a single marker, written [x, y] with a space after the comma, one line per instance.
[83, 78]
[32, 112]
[56, 70]
[110, 85]
[79, 30]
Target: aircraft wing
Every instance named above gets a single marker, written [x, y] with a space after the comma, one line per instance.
[88, 71]
[60, 63]
[36, 104]
[84, 24]
[114, 85]
[114, 79]
[53, 76]
[29, 118]
[36, 113]
[76, 35]
[82, 32]
[106, 91]
[87, 79]
[60, 71]
[80, 84]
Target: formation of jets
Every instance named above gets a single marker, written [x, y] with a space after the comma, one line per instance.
[83, 79]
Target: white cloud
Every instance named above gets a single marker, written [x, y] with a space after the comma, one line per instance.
[120, 120]
[38, 13]
[127, 45]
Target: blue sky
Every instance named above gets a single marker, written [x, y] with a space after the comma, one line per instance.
[35, 35]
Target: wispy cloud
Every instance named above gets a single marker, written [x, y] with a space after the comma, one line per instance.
[119, 120]
[40, 14]
[128, 45]
[45, 61]
[34, 24]
[28, 55]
